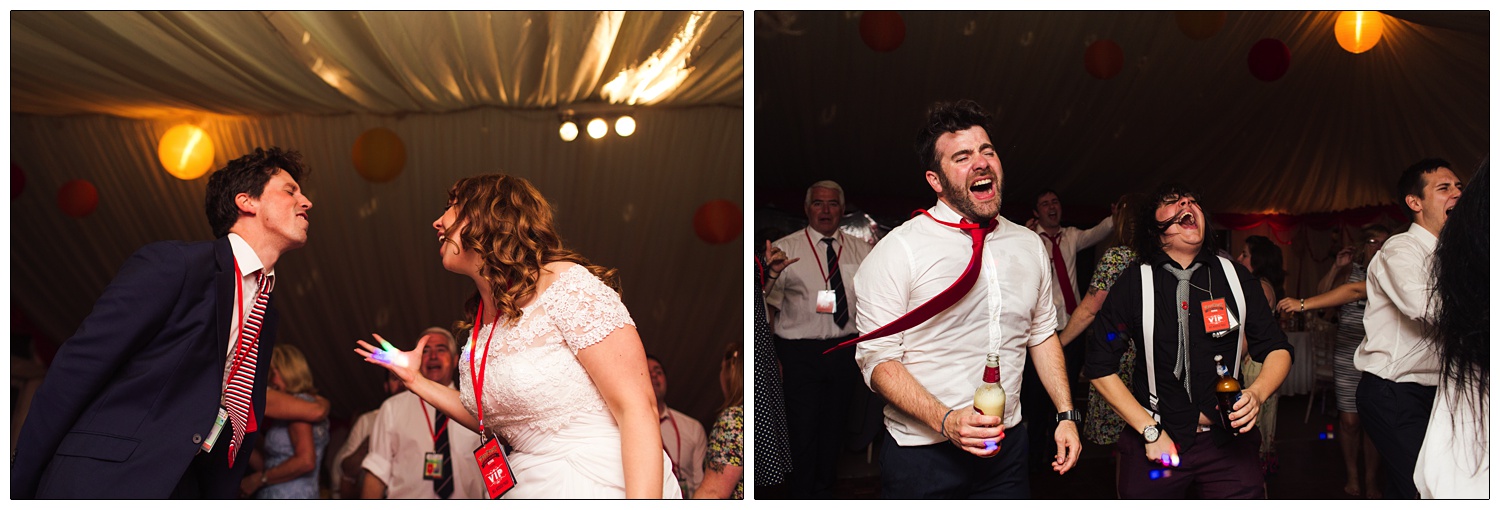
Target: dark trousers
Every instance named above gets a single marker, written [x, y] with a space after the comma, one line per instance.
[1206, 470]
[209, 476]
[818, 390]
[944, 471]
[1039, 411]
[1395, 416]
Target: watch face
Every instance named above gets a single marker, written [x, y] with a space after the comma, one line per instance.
[1150, 434]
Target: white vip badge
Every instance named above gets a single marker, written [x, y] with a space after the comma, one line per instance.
[827, 301]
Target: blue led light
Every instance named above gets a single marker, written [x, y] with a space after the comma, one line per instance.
[1155, 474]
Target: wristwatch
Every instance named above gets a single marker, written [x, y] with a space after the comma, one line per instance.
[1071, 414]
[1151, 433]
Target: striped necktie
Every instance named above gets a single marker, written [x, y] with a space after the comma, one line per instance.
[238, 391]
[836, 282]
[443, 485]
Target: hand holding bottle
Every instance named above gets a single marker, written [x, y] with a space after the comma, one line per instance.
[973, 432]
[1246, 411]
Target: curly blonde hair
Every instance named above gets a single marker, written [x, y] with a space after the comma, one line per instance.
[509, 225]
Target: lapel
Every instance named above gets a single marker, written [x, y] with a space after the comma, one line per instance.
[224, 281]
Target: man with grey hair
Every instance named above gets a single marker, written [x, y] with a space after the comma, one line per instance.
[811, 307]
[415, 452]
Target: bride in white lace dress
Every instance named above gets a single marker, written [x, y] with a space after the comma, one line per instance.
[564, 373]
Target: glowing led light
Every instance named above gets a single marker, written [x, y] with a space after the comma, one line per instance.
[625, 126]
[568, 132]
[598, 128]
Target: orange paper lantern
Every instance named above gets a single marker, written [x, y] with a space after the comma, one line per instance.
[882, 31]
[1200, 25]
[1269, 59]
[1358, 31]
[1104, 59]
[718, 221]
[77, 198]
[379, 155]
[186, 152]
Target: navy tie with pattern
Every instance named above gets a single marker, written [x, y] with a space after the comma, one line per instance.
[444, 484]
[836, 281]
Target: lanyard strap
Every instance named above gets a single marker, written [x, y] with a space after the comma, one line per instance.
[477, 378]
[440, 430]
[678, 434]
[819, 259]
[1148, 325]
[240, 349]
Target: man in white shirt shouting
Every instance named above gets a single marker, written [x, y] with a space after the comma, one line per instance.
[990, 282]
[1400, 366]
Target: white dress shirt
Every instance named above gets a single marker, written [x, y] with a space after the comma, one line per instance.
[1008, 310]
[249, 263]
[1396, 306]
[684, 440]
[400, 442]
[1072, 240]
[794, 294]
[357, 434]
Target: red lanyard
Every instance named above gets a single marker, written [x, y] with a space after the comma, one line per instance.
[441, 429]
[678, 434]
[819, 260]
[240, 349]
[477, 378]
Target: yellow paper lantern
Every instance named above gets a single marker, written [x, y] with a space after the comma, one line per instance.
[1358, 31]
[186, 152]
[379, 155]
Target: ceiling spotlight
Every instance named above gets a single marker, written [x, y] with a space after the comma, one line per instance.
[568, 132]
[598, 128]
[625, 126]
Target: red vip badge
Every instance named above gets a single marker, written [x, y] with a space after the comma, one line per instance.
[498, 478]
[1215, 316]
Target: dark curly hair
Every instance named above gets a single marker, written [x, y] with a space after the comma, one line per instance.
[509, 225]
[1266, 262]
[945, 118]
[248, 174]
[1460, 329]
[1148, 231]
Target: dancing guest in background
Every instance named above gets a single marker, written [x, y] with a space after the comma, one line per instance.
[553, 362]
[293, 450]
[1454, 459]
[773, 457]
[1263, 258]
[681, 436]
[724, 465]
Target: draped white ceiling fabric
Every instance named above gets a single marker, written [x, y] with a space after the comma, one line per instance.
[468, 93]
[1332, 134]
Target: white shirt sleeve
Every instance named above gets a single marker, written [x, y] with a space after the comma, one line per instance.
[884, 282]
[382, 446]
[1044, 314]
[1403, 272]
[1092, 236]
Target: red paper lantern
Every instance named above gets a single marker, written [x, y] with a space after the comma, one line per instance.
[77, 198]
[718, 221]
[379, 155]
[1200, 25]
[17, 180]
[1269, 59]
[882, 31]
[1104, 59]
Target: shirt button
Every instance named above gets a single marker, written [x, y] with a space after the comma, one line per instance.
[197, 439]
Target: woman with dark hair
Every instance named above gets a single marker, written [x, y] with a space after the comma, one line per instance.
[1454, 460]
[1263, 258]
[559, 369]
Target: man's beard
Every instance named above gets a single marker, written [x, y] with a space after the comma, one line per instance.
[963, 202]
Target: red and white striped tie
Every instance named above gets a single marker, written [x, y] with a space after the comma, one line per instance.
[237, 393]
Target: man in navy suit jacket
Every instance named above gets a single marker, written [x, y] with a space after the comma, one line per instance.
[131, 398]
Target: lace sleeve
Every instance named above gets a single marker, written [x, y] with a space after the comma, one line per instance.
[584, 309]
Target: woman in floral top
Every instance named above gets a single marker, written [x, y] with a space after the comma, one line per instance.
[1101, 424]
[724, 462]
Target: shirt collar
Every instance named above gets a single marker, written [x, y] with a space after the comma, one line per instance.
[245, 257]
[941, 211]
[1428, 240]
[818, 237]
[1205, 255]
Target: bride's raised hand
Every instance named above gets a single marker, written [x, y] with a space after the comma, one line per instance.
[393, 359]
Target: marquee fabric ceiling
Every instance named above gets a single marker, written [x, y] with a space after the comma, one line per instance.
[1332, 134]
[467, 93]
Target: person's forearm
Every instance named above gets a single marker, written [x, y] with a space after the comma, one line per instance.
[1327, 281]
[285, 406]
[1053, 372]
[1082, 318]
[1339, 296]
[372, 488]
[640, 448]
[719, 482]
[1278, 363]
[893, 383]
[445, 399]
[1123, 401]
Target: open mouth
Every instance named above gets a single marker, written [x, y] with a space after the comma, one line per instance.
[1187, 221]
[983, 189]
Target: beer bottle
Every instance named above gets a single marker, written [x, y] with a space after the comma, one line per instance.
[1228, 390]
[989, 398]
